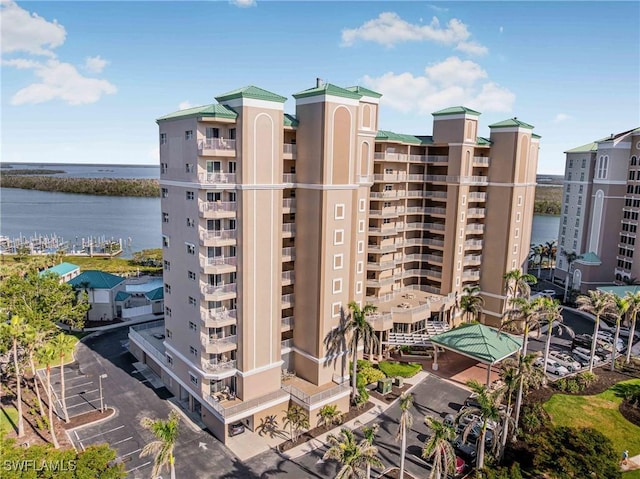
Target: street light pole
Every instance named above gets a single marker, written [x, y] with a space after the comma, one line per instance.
[102, 376]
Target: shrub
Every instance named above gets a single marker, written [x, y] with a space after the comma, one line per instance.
[512, 472]
[534, 418]
[405, 370]
[574, 386]
[361, 381]
[561, 384]
[587, 379]
[363, 364]
[371, 375]
[362, 397]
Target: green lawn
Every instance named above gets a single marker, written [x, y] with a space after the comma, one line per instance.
[392, 369]
[599, 412]
[111, 265]
[8, 419]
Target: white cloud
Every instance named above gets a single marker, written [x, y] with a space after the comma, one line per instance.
[448, 83]
[59, 81]
[23, 31]
[243, 3]
[95, 64]
[438, 9]
[184, 105]
[389, 29]
[561, 117]
[501, 29]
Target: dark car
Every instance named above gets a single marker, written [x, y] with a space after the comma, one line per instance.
[465, 450]
[235, 429]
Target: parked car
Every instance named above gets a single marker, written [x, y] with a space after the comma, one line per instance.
[461, 465]
[552, 367]
[585, 354]
[565, 360]
[625, 332]
[235, 429]
[465, 450]
[607, 337]
[581, 341]
[549, 293]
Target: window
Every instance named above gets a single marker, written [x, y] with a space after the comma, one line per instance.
[167, 265]
[188, 168]
[464, 200]
[335, 309]
[338, 237]
[338, 260]
[575, 244]
[362, 204]
[188, 135]
[568, 189]
[167, 288]
[191, 275]
[191, 195]
[358, 287]
[169, 333]
[579, 211]
[570, 163]
[191, 223]
[515, 249]
[339, 213]
[191, 249]
[193, 379]
[581, 176]
[360, 246]
[165, 192]
[566, 209]
[163, 138]
[167, 311]
[232, 133]
[337, 286]
[520, 199]
[516, 233]
[518, 217]
[359, 267]
[169, 359]
[388, 187]
[213, 133]
[232, 166]
[193, 301]
[633, 161]
[603, 167]
[361, 226]
[584, 163]
[192, 326]
[165, 217]
[459, 266]
[163, 168]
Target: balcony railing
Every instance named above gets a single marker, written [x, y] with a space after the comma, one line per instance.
[472, 259]
[437, 159]
[480, 161]
[288, 275]
[374, 248]
[217, 261]
[288, 177]
[473, 244]
[474, 180]
[216, 144]
[221, 235]
[142, 341]
[287, 322]
[375, 282]
[477, 196]
[388, 156]
[287, 300]
[435, 194]
[289, 203]
[289, 252]
[217, 366]
[433, 273]
[474, 275]
[387, 194]
[233, 409]
[219, 341]
[418, 158]
[433, 242]
[436, 211]
[216, 177]
[210, 289]
[290, 149]
[476, 228]
[289, 228]
[475, 212]
[434, 226]
[216, 206]
[390, 177]
[219, 314]
[310, 399]
[434, 258]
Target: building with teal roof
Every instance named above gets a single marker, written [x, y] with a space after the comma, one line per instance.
[102, 289]
[66, 271]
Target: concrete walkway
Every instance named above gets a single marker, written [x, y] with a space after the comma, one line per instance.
[145, 318]
[633, 463]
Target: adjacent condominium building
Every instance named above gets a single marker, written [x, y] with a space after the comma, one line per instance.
[273, 223]
[600, 207]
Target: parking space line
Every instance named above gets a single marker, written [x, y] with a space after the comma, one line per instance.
[79, 441]
[106, 432]
[78, 385]
[81, 404]
[84, 393]
[139, 467]
[121, 441]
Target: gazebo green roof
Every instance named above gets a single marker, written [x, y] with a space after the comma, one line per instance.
[122, 296]
[364, 91]
[328, 89]
[210, 111]
[456, 110]
[155, 294]
[512, 122]
[252, 92]
[385, 135]
[482, 343]
[589, 258]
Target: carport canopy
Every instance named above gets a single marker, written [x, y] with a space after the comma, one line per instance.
[484, 344]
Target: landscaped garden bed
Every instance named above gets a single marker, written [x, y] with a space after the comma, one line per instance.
[393, 369]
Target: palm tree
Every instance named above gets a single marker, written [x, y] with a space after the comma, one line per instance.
[621, 305]
[597, 303]
[487, 413]
[357, 327]
[525, 314]
[550, 249]
[439, 447]
[471, 302]
[34, 340]
[355, 458]
[296, 419]
[570, 257]
[539, 252]
[552, 316]
[518, 284]
[634, 307]
[166, 432]
[63, 344]
[369, 433]
[15, 329]
[406, 421]
[329, 415]
[510, 376]
[47, 355]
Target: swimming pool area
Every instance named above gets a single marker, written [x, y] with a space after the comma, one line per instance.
[143, 285]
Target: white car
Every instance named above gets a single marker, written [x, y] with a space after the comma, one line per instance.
[549, 293]
[608, 338]
[553, 367]
[585, 354]
[565, 360]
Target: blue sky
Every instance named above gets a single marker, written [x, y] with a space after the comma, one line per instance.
[83, 82]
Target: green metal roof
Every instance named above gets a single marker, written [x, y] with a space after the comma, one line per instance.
[96, 280]
[213, 111]
[534, 135]
[61, 269]
[479, 342]
[620, 291]
[290, 120]
[589, 147]
[589, 258]
[252, 92]
[481, 141]
[122, 296]
[456, 110]
[328, 89]
[385, 135]
[155, 294]
[511, 122]
[364, 91]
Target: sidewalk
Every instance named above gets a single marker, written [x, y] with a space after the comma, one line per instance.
[125, 324]
[378, 409]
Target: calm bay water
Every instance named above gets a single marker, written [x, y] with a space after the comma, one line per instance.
[67, 215]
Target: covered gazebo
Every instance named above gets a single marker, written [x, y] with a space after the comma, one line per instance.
[484, 344]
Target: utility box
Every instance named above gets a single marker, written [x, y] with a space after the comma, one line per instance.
[385, 385]
[398, 381]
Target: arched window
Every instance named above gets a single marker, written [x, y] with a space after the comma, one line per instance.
[603, 167]
[467, 163]
[633, 161]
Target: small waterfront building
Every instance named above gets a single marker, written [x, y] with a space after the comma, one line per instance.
[66, 271]
[102, 289]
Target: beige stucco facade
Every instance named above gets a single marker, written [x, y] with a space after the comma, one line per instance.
[274, 223]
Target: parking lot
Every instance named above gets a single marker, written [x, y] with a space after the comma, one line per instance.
[82, 391]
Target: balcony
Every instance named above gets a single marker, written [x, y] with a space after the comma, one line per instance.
[434, 226]
[287, 344]
[477, 196]
[436, 211]
[386, 212]
[472, 260]
[390, 177]
[475, 228]
[289, 178]
[473, 244]
[287, 300]
[218, 264]
[480, 161]
[217, 147]
[434, 243]
[417, 226]
[418, 158]
[419, 178]
[215, 345]
[218, 317]
[289, 151]
[217, 178]
[437, 159]
[218, 292]
[387, 194]
[219, 367]
[377, 282]
[232, 408]
[475, 213]
[288, 205]
[218, 209]
[432, 273]
[373, 266]
[415, 194]
[288, 254]
[474, 180]
[288, 230]
[286, 324]
[436, 195]
[471, 276]
[379, 321]
[387, 230]
[434, 258]
[376, 248]
[217, 237]
[310, 398]
[288, 277]
[389, 156]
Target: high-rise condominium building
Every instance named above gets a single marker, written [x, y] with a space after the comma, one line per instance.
[273, 223]
[600, 207]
